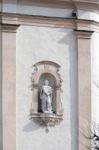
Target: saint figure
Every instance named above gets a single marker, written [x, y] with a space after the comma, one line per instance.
[46, 97]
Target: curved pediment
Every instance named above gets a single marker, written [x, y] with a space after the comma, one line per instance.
[46, 62]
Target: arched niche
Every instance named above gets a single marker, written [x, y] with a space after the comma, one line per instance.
[46, 70]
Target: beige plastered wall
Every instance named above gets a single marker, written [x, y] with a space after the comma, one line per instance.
[9, 88]
[8, 92]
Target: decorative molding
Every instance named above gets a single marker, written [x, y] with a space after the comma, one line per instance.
[39, 71]
[82, 34]
[46, 119]
[49, 71]
[69, 23]
[9, 27]
[9, 18]
[87, 25]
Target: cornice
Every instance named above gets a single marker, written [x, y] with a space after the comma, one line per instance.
[69, 23]
[9, 28]
[82, 34]
[87, 25]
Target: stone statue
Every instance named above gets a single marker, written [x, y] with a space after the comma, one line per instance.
[46, 97]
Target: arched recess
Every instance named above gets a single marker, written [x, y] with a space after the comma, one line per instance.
[46, 70]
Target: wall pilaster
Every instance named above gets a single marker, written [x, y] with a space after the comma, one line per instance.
[9, 86]
[0, 88]
[84, 87]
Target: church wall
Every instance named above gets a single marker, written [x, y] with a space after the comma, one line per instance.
[33, 8]
[44, 11]
[88, 15]
[36, 44]
[95, 77]
[9, 6]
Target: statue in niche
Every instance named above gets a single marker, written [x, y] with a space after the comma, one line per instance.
[46, 97]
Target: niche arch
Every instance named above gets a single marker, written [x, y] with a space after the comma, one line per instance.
[46, 70]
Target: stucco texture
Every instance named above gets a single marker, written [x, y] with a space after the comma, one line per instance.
[36, 44]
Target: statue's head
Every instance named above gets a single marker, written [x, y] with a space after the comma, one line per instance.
[46, 82]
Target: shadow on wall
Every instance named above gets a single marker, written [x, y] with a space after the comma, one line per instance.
[31, 127]
[70, 40]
